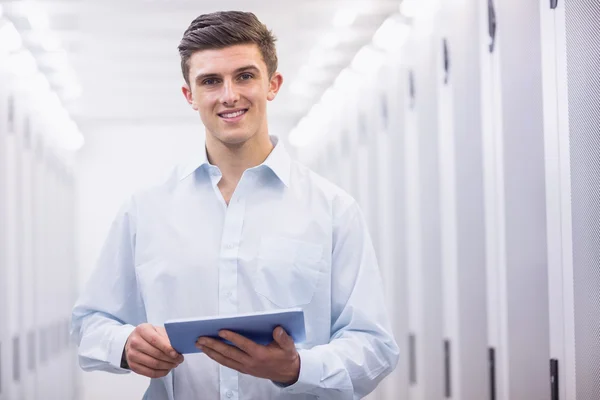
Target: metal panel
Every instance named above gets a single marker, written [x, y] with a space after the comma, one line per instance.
[429, 184]
[526, 284]
[26, 295]
[558, 200]
[423, 216]
[412, 217]
[4, 333]
[462, 205]
[388, 159]
[13, 181]
[583, 62]
[363, 169]
[491, 97]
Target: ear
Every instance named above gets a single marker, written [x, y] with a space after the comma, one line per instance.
[187, 92]
[274, 86]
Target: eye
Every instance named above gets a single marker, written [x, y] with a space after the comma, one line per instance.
[246, 76]
[209, 82]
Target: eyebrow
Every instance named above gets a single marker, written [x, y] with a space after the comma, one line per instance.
[201, 77]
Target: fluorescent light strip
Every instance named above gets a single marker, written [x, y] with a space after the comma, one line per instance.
[391, 34]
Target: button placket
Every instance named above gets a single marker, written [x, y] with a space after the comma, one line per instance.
[228, 276]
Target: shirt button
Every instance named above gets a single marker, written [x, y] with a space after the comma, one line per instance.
[229, 394]
[230, 246]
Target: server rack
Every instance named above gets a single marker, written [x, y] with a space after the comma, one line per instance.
[571, 59]
[5, 362]
[515, 200]
[461, 202]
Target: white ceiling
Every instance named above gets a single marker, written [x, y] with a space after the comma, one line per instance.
[124, 52]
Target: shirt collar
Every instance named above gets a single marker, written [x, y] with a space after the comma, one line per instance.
[278, 161]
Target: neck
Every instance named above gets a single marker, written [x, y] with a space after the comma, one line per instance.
[234, 159]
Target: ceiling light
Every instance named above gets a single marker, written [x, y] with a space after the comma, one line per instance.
[10, 39]
[301, 88]
[70, 138]
[367, 60]
[51, 43]
[302, 134]
[331, 98]
[22, 64]
[345, 79]
[37, 18]
[409, 8]
[40, 82]
[72, 92]
[345, 17]
[391, 34]
[415, 8]
[331, 39]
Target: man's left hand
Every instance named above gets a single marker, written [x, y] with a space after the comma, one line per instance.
[279, 361]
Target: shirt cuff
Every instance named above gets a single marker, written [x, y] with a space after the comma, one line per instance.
[117, 345]
[311, 371]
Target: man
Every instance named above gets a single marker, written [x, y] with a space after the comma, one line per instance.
[244, 228]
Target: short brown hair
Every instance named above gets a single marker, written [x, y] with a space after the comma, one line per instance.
[223, 29]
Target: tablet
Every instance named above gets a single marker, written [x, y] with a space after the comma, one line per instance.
[257, 326]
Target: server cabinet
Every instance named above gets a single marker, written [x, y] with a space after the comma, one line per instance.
[345, 165]
[363, 162]
[390, 158]
[12, 254]
[25, 249]
[348, 142]
[40, 261]
[461, 202]
[515, 199]
[558, 202]
[423, 218]
[571, 84]
[582, 20]
[374, 169]
[55, 276]
[4, 332]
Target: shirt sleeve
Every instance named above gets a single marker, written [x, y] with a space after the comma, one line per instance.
[110, 306]
[362, 350]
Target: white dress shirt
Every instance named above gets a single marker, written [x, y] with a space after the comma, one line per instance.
[288, 238]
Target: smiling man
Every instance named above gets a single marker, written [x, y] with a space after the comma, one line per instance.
[243, 228]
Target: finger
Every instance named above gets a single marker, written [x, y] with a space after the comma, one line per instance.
[151, 362]
[163, 332]
[221, 359]
[141, 345]
[224, 349]
[150, 373]
[151, 336]
[283, 339]
[248, 346]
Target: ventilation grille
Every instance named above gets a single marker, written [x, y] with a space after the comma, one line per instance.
[583, 55]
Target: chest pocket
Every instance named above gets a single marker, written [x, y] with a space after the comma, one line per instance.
[288, 270]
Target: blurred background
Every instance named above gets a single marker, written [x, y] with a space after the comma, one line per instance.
[468, 130]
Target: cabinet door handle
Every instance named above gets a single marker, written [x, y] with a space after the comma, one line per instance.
[412, 355]
[492, 371]
[492, 24]
[554, 379]
[448, 369]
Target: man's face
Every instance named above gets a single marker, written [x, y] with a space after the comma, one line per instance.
[230, 88]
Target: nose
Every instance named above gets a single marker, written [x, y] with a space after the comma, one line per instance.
[229, 95]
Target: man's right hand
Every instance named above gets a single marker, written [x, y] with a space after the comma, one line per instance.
[149, 352]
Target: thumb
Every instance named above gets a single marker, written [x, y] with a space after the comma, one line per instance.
[283, 339]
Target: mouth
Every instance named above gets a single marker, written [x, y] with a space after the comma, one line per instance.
[233, 116]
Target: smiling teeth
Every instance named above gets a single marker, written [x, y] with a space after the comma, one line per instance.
[233, 115]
